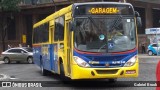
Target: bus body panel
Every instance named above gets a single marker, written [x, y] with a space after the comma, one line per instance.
[99, 60]
[49, 56]
[37, 54]
[86, 73]
[99, 70]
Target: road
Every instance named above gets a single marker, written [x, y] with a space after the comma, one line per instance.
[30, 72]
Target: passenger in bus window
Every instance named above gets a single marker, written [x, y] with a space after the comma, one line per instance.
[114, 33]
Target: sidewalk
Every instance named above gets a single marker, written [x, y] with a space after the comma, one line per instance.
[147, 56]
[1, 62]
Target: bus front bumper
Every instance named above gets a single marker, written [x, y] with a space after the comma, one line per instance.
[108, 73]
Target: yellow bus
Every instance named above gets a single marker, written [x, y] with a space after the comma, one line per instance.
[79, 41]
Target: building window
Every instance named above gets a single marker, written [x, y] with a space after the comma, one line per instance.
[41, 33]
[11, 29]
[156, 18]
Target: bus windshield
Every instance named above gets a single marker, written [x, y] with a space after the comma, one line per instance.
[101, 34]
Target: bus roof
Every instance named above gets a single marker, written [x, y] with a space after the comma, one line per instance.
[86, 3]
[69, 8]
[53, 16]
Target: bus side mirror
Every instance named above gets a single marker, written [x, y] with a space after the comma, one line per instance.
[139, 22]
[138, 19]
[72, 26]
[75, 24]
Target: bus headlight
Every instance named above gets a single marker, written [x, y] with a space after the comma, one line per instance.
[80, 62]
[131, 62]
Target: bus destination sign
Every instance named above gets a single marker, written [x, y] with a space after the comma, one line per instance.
[100, 10]
[103, 9]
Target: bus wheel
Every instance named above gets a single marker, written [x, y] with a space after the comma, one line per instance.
[62, 71]
[43, 71]
[113, 80]
[17, 62]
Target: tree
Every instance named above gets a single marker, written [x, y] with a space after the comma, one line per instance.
[7, 7]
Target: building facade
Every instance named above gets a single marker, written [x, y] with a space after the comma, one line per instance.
[19, 30]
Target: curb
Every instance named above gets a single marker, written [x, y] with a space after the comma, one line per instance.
[147, 56]
[1, 62]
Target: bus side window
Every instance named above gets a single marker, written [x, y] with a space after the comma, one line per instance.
[59, 29]
[56, 32]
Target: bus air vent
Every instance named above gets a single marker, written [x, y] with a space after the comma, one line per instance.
[114, 71]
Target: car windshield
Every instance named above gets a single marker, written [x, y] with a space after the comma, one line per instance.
[113, 34]
[28, 49]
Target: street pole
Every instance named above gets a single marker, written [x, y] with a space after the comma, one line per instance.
[157, 41]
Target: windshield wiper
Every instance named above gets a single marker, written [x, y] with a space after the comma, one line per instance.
[116, 22]
[91, 19]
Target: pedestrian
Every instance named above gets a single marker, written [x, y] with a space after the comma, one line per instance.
[114, 33]
[143, 48]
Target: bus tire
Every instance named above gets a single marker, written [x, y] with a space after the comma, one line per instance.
[62, 76]
[17, 62]
[43, 71]
[113, 80]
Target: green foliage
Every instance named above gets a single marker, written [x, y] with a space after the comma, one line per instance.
[9, 5]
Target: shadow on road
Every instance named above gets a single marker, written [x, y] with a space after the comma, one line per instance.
[98, 83]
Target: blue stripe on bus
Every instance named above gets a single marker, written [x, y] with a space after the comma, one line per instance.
[117, 60]
[51, 56]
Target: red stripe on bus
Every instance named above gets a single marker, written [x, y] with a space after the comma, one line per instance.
[82, 52]
[35, 45]
[129, 51]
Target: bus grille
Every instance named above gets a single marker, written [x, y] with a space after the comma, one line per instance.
[114, 71]
[103, 65]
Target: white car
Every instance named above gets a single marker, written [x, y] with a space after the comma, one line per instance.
[153, 48]
[17, 54]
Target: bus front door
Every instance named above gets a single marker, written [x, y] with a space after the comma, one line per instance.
[69, 47]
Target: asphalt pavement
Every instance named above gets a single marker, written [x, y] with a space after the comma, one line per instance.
[30, 72]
